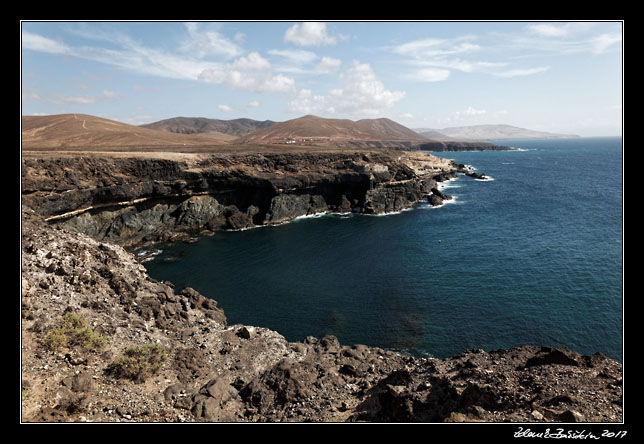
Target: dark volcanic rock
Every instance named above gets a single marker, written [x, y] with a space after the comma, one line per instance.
[133, 200]
[474, 175]
[551, 356]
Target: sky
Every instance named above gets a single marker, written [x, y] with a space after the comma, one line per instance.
[564, 77]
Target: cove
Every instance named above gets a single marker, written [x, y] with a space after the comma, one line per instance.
[532, 257]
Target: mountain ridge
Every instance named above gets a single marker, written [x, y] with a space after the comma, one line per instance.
[203, 125]
[312, 128]
[84, 130]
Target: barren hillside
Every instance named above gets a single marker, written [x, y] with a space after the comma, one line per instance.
[202, 125]
[317, 129]
[81, 130]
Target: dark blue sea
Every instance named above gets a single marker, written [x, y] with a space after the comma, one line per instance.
[532, 256]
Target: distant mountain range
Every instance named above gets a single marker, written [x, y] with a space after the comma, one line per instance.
[313, 129]
[202, 125]
[81, 130]
[488, 132]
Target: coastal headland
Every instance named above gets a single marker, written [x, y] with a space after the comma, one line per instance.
[102, 341]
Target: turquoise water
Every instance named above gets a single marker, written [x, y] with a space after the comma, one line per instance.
[533, 256]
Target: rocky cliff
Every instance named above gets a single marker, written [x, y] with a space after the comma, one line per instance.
[102, 341]
[129, 199]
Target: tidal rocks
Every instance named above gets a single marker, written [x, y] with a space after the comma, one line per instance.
[437, 197]
[285, 207]
[479, 176]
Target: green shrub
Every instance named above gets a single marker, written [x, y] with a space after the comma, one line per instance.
[140, 362]
[74, 330]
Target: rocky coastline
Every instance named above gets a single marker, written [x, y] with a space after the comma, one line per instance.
[133, 200]
[103, 342]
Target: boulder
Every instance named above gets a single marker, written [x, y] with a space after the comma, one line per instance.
[434, 200]
[551, 356]
[247, 332]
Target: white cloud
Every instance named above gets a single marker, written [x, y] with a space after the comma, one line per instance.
[328, 65]
[60, 99]
[521, 72]
[498, 53]
[111, 94]
[254, 104]
[43, 44]
[435, 58]
[460, 64]
[431, 47]
[309, 34]
[360, 93]
[130, 56]
[307, 103]
[207, 43]
[224, 108]
[430, 75]
[252, 72]
[558, 30]
[565, 38]
[298, 56]
[471, 111]
[293, 60]
[601, 43]
[29, 93]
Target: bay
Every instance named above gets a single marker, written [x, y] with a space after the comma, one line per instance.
[532, 256]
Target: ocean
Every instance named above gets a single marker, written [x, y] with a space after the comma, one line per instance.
[533, 256]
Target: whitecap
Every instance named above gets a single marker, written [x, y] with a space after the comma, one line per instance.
[388, 213]
[448, 184]
[311, 216]
[453, 201]
[149, 255]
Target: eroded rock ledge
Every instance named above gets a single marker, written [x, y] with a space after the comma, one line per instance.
[220, 372]
[130, 199]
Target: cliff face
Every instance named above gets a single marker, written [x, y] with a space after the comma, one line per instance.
[129, 200]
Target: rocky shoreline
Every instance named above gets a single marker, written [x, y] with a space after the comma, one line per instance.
[133, 200]
[103, 342]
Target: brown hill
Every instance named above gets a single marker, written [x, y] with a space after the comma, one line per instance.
[82, 130]
[202, 125]
[313, 129]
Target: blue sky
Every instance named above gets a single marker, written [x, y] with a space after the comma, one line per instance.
[551, 76]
